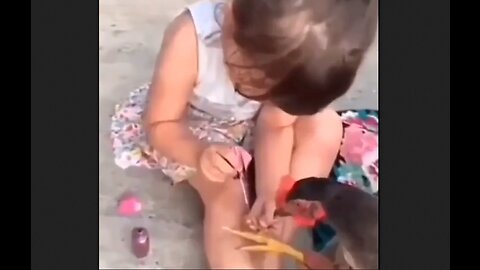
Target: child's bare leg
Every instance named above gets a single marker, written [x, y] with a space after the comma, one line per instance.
[316, 146]
[224, 206]
[314, 152]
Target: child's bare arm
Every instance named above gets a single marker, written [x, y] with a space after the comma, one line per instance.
[172, 85]
[273, 148]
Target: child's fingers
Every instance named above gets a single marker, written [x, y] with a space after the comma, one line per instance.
[252, 217]
[222, 165]
[233, 156]
[267, 219]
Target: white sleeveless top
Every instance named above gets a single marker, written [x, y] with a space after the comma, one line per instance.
[214, 92]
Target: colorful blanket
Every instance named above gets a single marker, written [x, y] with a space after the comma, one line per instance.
[356, 164]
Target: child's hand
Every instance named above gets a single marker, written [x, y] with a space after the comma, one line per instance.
[218, 163]
[262, 214]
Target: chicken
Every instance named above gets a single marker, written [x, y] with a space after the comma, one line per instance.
[352, 212]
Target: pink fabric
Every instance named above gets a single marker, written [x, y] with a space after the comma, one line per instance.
[243, 157]
[242, 160]
[359, 147]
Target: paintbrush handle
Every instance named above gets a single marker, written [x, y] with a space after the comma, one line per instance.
[239, 176]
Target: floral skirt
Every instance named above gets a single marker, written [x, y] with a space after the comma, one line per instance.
[131, 149]
[356, 164]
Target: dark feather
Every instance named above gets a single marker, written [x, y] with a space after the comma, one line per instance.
[352, 212]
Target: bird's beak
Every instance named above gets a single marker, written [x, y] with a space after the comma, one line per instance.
[292, 209]
[306, 214]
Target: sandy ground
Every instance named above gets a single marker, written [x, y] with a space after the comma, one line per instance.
[130, 35]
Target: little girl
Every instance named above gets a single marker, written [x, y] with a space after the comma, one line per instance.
[226, 69]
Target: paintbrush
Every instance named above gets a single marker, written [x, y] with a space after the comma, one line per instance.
[241, 172]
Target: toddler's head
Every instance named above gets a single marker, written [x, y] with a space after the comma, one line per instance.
[299, 54]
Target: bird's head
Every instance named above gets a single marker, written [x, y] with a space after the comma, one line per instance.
[303, 199]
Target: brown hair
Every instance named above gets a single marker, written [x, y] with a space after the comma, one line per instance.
[310, 49]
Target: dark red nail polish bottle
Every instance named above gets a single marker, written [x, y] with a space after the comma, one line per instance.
[140, 242]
